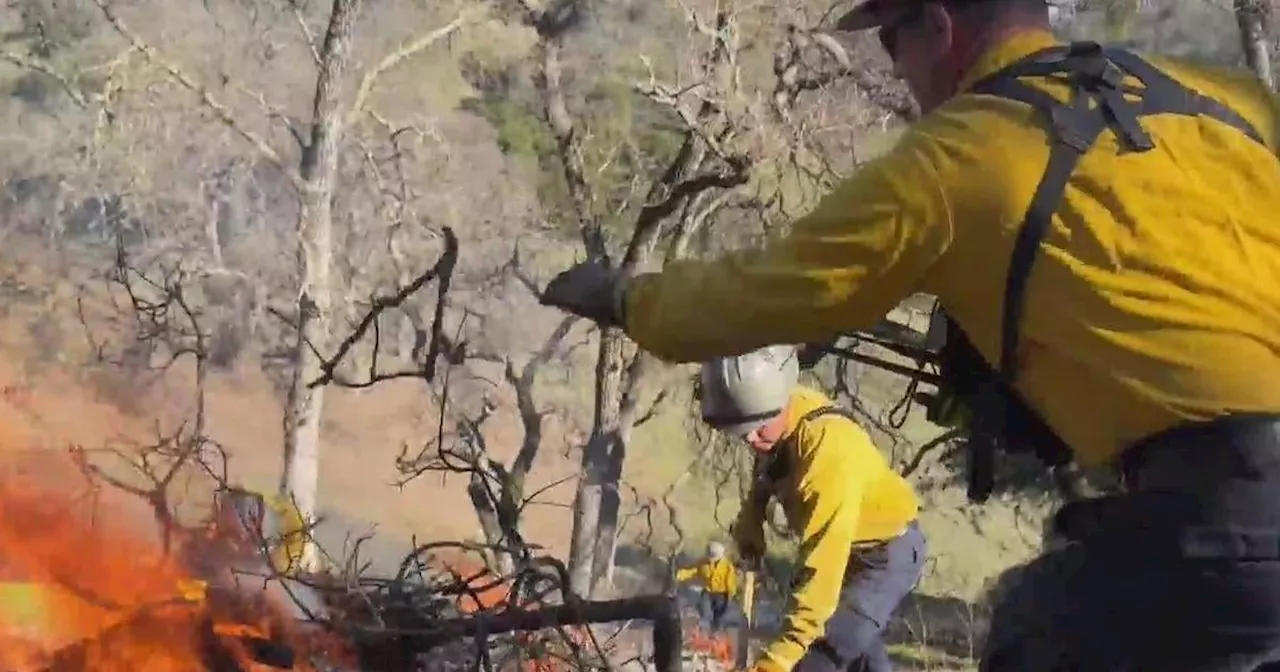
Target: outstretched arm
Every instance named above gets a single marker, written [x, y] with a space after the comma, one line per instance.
[842, 267]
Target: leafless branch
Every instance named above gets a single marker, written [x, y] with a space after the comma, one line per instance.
[928, 447]
[442, 273]
[404, 52]
[43, 68]
[296, 10]
[165, 319]
[218, 108]
[795, 75]
[497, 491]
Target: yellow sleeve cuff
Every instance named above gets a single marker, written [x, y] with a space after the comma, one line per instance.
[767, 664]
[777, 657]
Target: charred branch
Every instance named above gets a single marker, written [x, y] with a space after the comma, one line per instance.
[435, 342]
[917, 460]
[168, 320]
[659, 609]
[796, 75]
[497, 491]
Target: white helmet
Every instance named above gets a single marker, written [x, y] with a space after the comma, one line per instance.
[715, 550]
[739, 394]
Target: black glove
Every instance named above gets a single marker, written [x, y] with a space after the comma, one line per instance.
[590, 289]
[809, 354]
[750, 542]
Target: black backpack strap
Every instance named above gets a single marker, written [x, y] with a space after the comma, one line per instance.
[1163, 95]
[828, 410]
[1099, 100]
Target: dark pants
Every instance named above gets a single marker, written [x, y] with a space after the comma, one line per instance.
[877, 580]
[1179, 574]
[712, 608]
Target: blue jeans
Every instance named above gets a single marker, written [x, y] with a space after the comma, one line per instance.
[875, 584]
[712, 609]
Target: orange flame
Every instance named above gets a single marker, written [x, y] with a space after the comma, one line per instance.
[489, 592]
[89, 592]
[719, 648]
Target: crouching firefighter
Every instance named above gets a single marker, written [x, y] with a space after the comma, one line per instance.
[861, 550]
[1101, 228]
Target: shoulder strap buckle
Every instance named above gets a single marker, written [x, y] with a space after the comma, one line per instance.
[1088, 62]
[1095, 77]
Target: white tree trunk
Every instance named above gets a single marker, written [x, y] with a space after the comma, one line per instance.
[305, 404]
[1251, 16]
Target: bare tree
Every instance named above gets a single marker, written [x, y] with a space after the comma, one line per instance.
[313, 180]
[315, 247]
[619, 372]
[722, 145]
[314, 257]
[1253, 17]
[167, 329]
[498, 491]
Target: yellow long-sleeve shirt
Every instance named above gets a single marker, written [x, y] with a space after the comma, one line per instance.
[838, 490]
[1154, 299]
[291, 536]
[718, 576]
[283, 528]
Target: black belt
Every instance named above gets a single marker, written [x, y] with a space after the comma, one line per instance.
[1189, 476]
[1198, 455]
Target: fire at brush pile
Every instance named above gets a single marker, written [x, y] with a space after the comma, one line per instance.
[80, 590]
[89, 583]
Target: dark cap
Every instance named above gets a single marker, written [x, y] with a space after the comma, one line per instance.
[873, 14]
[876, 13]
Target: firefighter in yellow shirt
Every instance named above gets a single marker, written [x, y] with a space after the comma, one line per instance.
[1100, 228]
[861, 551]
[262, 522]
[719, 579]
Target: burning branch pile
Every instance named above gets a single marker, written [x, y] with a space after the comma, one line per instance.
[84, 587]
[88, 587]
[107, 575]
[469, 615]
